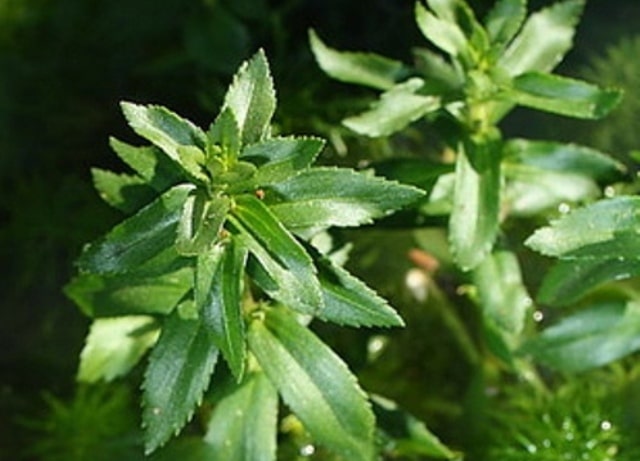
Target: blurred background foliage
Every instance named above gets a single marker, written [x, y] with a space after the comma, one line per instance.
[65, 65]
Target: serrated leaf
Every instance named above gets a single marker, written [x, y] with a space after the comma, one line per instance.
[251, 97]
[138, 238]
[322, 197]
[473, 224]
[279, 158]
[315, 384]
[445, 34]
[179, 370]
[562, 95]
[125, 192]
[225, 133]
[590, 338]
[504, 21]
[395, 109]
[606, 229]
[291, 274]
[114, 346]
[201, 221]
[367, 69]
[221, 301]
[244, 426]
[544, 39]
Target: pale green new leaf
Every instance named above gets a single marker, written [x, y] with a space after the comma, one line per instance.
[244, 426]
[443, 33]
[125, 192]
[562, 95]
[252, 99]
[114, 346]
[590, 338]
[315, 384]
[323, 197]
[367, 69]
[138, 238]
[179, 370]
[504, 21]
[201, 222]
[395, 109]
[544, 39]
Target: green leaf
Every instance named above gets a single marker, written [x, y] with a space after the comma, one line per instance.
[322, 197]
[125, 192]
[544, 39]
[442, 32]
[138, 238]
[314, 383]
[225, 133]
[180, 367]
[279, 158]
[569, 280]
[251, 97]
[221, 301]
[419, 172]
[606, 229]
[590, 338]
[163, 128]
[476, 201]
[367, 69]
[562, 95]
[291, 272]
[395, 109]
[201, 222]
[114, 346]
[440, 77]
[504, 21]
[244, 422]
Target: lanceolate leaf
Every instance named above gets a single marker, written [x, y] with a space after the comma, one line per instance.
[139, 238]
[561, 95]
[225, 133]
[440, 77]
[125, 192]
[201, 222]
[367, 69]
[179, 370]
[504, 21]
[544, 39]
[244, 426]
[251, 97]
[322, 197]
[590, 338]
[443, 33]
[315, 384]
[114, 346]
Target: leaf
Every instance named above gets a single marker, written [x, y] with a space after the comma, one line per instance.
[201, 222]
[445, 34]
[366, 69]
[605, 229]
[419, 172]
[590, 338]
[225, 132]
[251, 97]
[504, 21]
[314, 383]
[322, 197]
[544, 39]
[287, 264]
[440, 77]
[125, 192]
[244, 422]
[569, 280]
[279, 158]
[221, 307]
[114, 346]
[138, 238]
[473, 224]
[562, 95]
[395, 109]
[163, 128]
[180, 367]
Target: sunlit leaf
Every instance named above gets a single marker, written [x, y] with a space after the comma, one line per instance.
[445, 34]
[125, 192]
[504, 21]
[225, 133]
[201, 222]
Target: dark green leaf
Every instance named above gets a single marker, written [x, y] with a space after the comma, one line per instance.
[114, 346]
[180, 367]
[367, 69]
[225, 133]
[138, 238]
[544, 39]
[443, 33]
[125, 192]
[289, 267]
[590, 338]
[562, 95]
[504, 21]
[322, 197]
[395, 109]
[201, 222]
[251, 97]
[244, 422]
[279, 158]
[440, 77]
[314, 383]
[419, 172]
